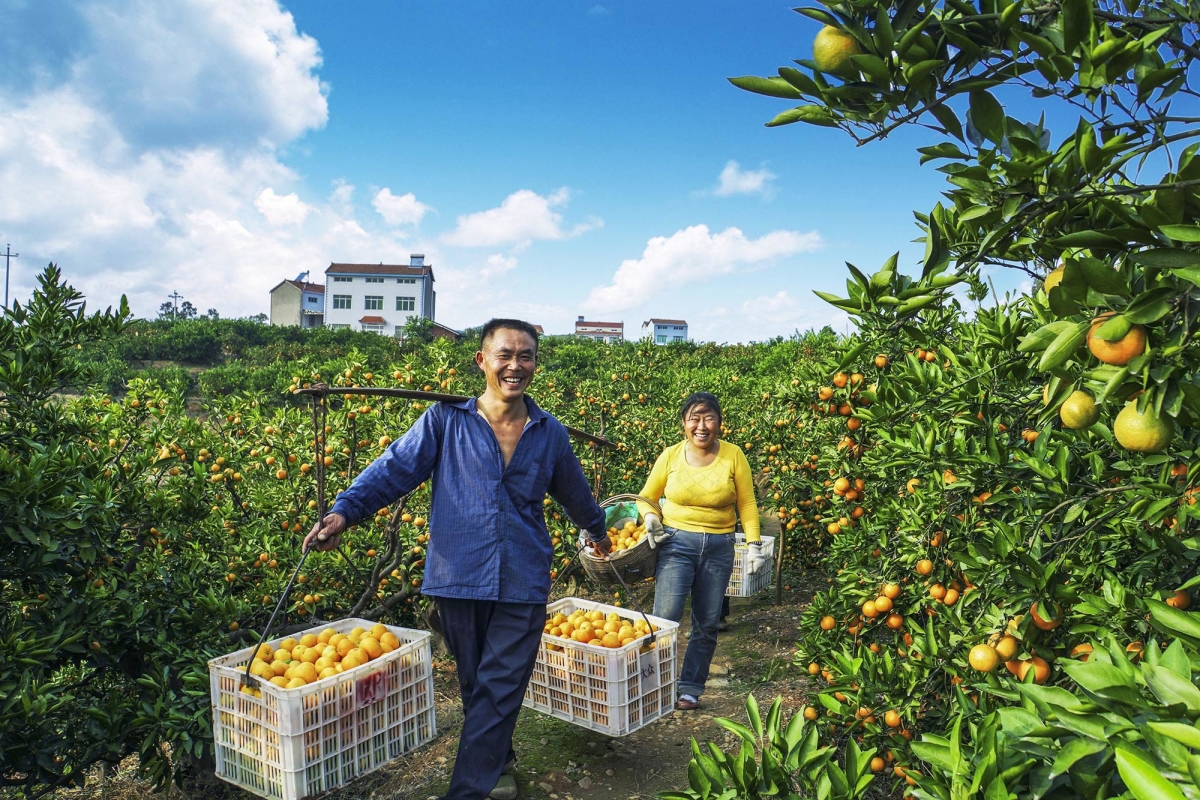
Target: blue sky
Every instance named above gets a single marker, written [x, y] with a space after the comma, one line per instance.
[550, 159]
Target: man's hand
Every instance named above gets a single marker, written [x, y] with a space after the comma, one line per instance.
[654, 530]
[756, 558]
[601, 546]
[327, 533]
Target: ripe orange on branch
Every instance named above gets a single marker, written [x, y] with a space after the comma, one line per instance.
[1120, 351]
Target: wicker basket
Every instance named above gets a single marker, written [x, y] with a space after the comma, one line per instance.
[635, 564]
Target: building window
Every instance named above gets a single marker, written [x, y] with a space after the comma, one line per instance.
[374, 327]
[373, 280]
[373, 302]
[679, 338]
[312, 301]
[337, 326]
[341, 301]
[406, 280]
[406, 304]
[660, 339]
[678, 327]
[341, 279]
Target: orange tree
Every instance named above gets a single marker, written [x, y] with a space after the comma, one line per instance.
[1026, 470]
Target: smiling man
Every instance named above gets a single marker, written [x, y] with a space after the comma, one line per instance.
[492, 460]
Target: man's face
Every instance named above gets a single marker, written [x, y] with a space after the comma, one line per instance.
[508, 360]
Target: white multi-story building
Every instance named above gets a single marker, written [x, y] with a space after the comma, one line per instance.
[378, 297]
[665, 331]
[604, 331]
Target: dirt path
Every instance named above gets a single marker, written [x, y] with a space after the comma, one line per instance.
[561, 761]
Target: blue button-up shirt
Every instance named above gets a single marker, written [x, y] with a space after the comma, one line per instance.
[487, 529]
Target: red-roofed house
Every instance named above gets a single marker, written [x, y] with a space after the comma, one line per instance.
[298, 302]
[389, 294]
[604, 331]
[665, 331]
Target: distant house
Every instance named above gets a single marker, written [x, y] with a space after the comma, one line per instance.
[378, 297]
[665, 331]
[439, 331]
[604, 331]
[299, 303]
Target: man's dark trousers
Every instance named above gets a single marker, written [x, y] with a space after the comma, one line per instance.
[495, 646]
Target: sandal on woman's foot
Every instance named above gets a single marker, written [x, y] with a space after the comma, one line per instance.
[687, 703]
[506, 788]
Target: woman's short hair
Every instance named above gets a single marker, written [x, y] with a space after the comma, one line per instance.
[700, 399]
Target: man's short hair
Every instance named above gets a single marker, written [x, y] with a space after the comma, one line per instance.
[493, 325]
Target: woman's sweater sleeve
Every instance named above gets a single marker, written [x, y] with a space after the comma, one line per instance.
[655, 484]
[747, 507]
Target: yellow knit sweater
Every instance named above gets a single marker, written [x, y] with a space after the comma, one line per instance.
[704, 499]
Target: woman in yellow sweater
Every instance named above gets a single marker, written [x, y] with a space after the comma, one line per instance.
[706, 485]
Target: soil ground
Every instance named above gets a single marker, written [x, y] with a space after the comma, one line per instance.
[561, 761]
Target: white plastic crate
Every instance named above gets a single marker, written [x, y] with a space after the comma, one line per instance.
[611, 690]
[741, 583]
[293, 743]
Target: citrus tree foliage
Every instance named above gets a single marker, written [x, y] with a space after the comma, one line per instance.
[1013, 486]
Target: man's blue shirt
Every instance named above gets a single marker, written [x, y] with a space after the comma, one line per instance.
[487, 528]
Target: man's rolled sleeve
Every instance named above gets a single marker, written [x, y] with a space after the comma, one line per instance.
[570, 488]
[403, 467]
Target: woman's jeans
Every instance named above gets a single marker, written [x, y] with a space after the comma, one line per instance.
[696, 564]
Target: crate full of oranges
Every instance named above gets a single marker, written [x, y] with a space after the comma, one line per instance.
[604, 668]
[320, 708]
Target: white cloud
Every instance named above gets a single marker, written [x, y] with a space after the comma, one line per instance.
[735, 180]
[179, 72]
[598, 11]
[780, 314]
[281, 210]
[693, 255]
[498, 265]
[402, 210]
[522, 218]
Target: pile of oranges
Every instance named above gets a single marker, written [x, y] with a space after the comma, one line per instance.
[294, 663]
[597, 628]
[627, 536]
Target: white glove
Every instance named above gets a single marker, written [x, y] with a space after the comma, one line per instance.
[654, 530]
[756, 558]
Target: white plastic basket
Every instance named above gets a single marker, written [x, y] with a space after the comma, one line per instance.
[614, 691]
[293, 743]
[741, 583]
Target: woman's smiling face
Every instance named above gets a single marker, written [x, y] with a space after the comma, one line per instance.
[701, 426]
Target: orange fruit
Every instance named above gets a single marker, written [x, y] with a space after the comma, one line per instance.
[1123, 350]
[924, 567]
[1006, 648]
[883, 604]
[1082, 651]
[1142, 432]
[984, 658]
[892, 719]
[1079, 410]
[372, 646]
[832, 49]
[828, 623]
[1181, 599]
[1048, 622]
[1054, 278]
[895, 621]
[890, 590]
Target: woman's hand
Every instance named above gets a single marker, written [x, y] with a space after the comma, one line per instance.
[327, 533]
[654, 530]
[756, 558]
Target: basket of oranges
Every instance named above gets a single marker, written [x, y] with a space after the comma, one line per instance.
[631, 557]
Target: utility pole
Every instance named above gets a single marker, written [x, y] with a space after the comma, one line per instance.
[9, 255]
[176, 296]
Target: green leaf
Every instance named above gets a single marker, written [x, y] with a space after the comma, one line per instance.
[1171, 688]
[1041, 338]
[1114, 328]
[987, 115]
[771, 87]
[813, 115]
[798, 79]
[1102, 277]
[1144, 779]
[1181, 233]
[1076, 23]
[949, 120]
[1063, 347]
[1166, 258]
[1187, 735]
[820, 15]
[1173, 621]
[1087, 239]
[1072, 752]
